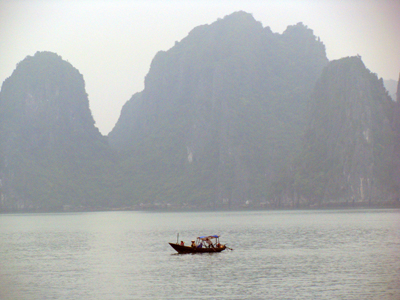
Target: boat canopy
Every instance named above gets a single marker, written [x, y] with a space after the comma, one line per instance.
[208, 237]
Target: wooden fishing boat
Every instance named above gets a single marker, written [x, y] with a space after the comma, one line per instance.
[203, 244]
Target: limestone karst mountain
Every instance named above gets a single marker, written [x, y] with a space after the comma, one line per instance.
[232, 116]
[394, 116]
[221, 112]
[347, 151]
[51, 154]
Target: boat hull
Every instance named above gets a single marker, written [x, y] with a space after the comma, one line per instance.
[186, 249]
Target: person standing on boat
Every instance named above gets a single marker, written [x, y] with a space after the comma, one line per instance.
[210, 245]
[193, 245]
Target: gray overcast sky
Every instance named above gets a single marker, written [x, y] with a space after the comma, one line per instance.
[112, 42]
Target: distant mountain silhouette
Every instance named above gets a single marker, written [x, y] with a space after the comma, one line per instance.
[347, 155]
[51, 154]
[232, 116]
[221, 112]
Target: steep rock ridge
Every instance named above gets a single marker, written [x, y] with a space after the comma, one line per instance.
[49, 145]
[221, 112]
[347, 146]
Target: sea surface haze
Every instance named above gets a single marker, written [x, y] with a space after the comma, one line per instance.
[331, 254]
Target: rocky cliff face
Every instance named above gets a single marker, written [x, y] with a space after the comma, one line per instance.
[348, 144]
[49, 145]
[232, 115]
[395, 122]
[221, 112]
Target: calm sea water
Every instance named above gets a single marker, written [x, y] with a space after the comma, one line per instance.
[352, 254]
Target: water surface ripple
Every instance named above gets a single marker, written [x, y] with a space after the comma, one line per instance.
[335, 254]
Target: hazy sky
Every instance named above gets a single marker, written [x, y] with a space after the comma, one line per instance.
[113, 42]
